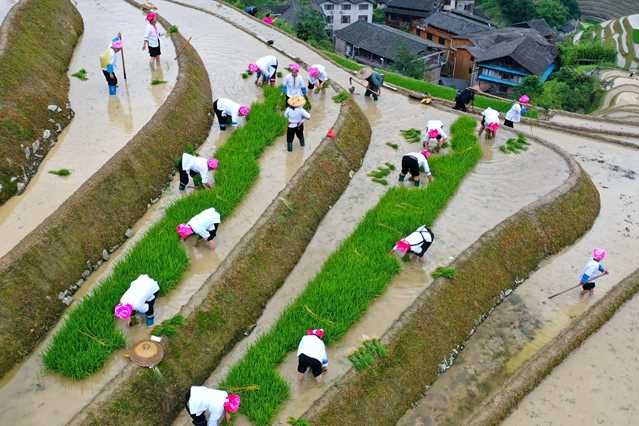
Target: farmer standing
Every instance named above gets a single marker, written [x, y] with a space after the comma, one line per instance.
[374, 80]
[195, 166]
[152, 38]
[294, 84]
[228, 111]
[109, 63]
[413, 163]
[434, 130]
[205, 224]
[265, 69]
[593, 270]
[139, 298]
[514, 113]
[489, 122]
[317, 77]
[416, 243]
[296, 114]
[311, 353]
[218, 403]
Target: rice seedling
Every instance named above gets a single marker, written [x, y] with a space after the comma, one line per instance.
[341, 96]
[368, 353]
[515, 146]
[81, 74]
[381, 181]
[89, 336]
[444, 272]
[173, 29]
[393, 145]
[279, 74]
[354, 275]
[60, 172]
[298, 422]
[380, 172]
[391, 166]
[156, 82]
[169, 327]
[245, 75]
[412, 135]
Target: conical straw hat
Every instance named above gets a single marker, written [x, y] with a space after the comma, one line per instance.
[147, 353]
[365, 72]
[297, 101]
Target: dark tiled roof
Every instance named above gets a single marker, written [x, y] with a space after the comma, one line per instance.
[416, 5]
[455, 23]
[382, 40]
[537, 24]
[525, 46]
[319, 2]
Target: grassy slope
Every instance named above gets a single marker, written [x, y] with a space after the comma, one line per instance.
[33, 75]
[448, 310]
[73, 352]
[245, 282]
[354, 275]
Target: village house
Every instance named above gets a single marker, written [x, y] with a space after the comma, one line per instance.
[441, 26]
[404, 14]
[342, 13]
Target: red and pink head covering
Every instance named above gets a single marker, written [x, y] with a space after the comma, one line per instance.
[244, 111]
[402, 247]
[151, 16]
[184, 230]
[319, 332]
[253, 68]
[123, 311]
[524, 99]
[598, 254]
[433, 133]
[213, 163]
[426, 153]
[232, 403]
[116, 43]
[294, 67]
[313, 72]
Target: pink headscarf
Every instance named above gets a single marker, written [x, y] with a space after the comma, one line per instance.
[426, 153]
[402, 247]
[123, 311]
[319, 332]
[524, 99]
[268, 20]
[433, 133]
[294, 67]
[313, 72]
[253, 68]
[598, 254]
[184, 231]
[151, 16]
[232, 403]
[213, 163]
[116, 43]
[244, 111]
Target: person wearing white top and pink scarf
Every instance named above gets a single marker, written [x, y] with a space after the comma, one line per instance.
[218, 403]
[152, 38]
[311, 353]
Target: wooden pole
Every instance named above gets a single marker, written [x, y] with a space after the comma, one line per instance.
[122, 53]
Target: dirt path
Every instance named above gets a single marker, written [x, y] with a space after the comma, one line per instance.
[102, 125]
[61, 399]
[519, 328]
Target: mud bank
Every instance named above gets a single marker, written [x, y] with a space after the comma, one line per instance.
[446, 314]
[251, 274]
[33, 90]
[72, 240]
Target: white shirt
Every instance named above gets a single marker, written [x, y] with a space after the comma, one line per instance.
[228, 107]
[204, 222]
[490, 116]
[294, 85]
[296, 116]
[421, 160]
[313, 347]
[152, 35]
[196, 164]
[267, 65]
[417, 238]
[514, 113]
[435, 125]
[205, 399]
[592, 268]
[322, 74]
[140, 291]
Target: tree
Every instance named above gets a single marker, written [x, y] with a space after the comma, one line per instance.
[517, 10]
[378, 15]
[553, 11]
[574, 11]
[311, 26]
[530, 86]
[408, 64]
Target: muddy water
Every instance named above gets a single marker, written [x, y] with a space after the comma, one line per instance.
[502, 348]
[102, 124]
[596, 384]
[61, 399]
[5, 7]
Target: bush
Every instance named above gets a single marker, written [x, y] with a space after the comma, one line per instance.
[354, 275]
[89, 336]
[589, 52]
[635, 36]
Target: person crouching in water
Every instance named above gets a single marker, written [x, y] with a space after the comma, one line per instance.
[228, 112]
[296, 114]
[434, 130]
[109, 63]
[311, 353]
[205, 224]
[416, 243]
[317, 77]
[195, 166]
[139, 298]
[414, 163]
[265, 69]
[489, 122]
[594, 266]
[218, 403]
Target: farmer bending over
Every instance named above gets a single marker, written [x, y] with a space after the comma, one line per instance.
[593, 270]
[489, 122]
[219, 404]
[139, 298]
[228, 112]
[317, 77]
[311, 353]
[413, 163]
[205, 224]
[463, 98]
[266, 70]
[195, 166]
[434, 130]
[296, 115]
[416, 243]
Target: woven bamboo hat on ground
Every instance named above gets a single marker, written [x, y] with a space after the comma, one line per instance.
[297, 101]
[147, 353]
[364, 73]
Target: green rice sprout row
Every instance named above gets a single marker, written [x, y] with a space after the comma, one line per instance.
[412, 135]
[380, 172]
[81, 74]
[173, 29]
[298, 422]
[368, 353]
[169, 327]
[354, 275]
[393, 145]
[60, 172]
[444, 272]
[341, 96]
[381, 181]
[515, 145]
[156, 82]
[160, 254]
